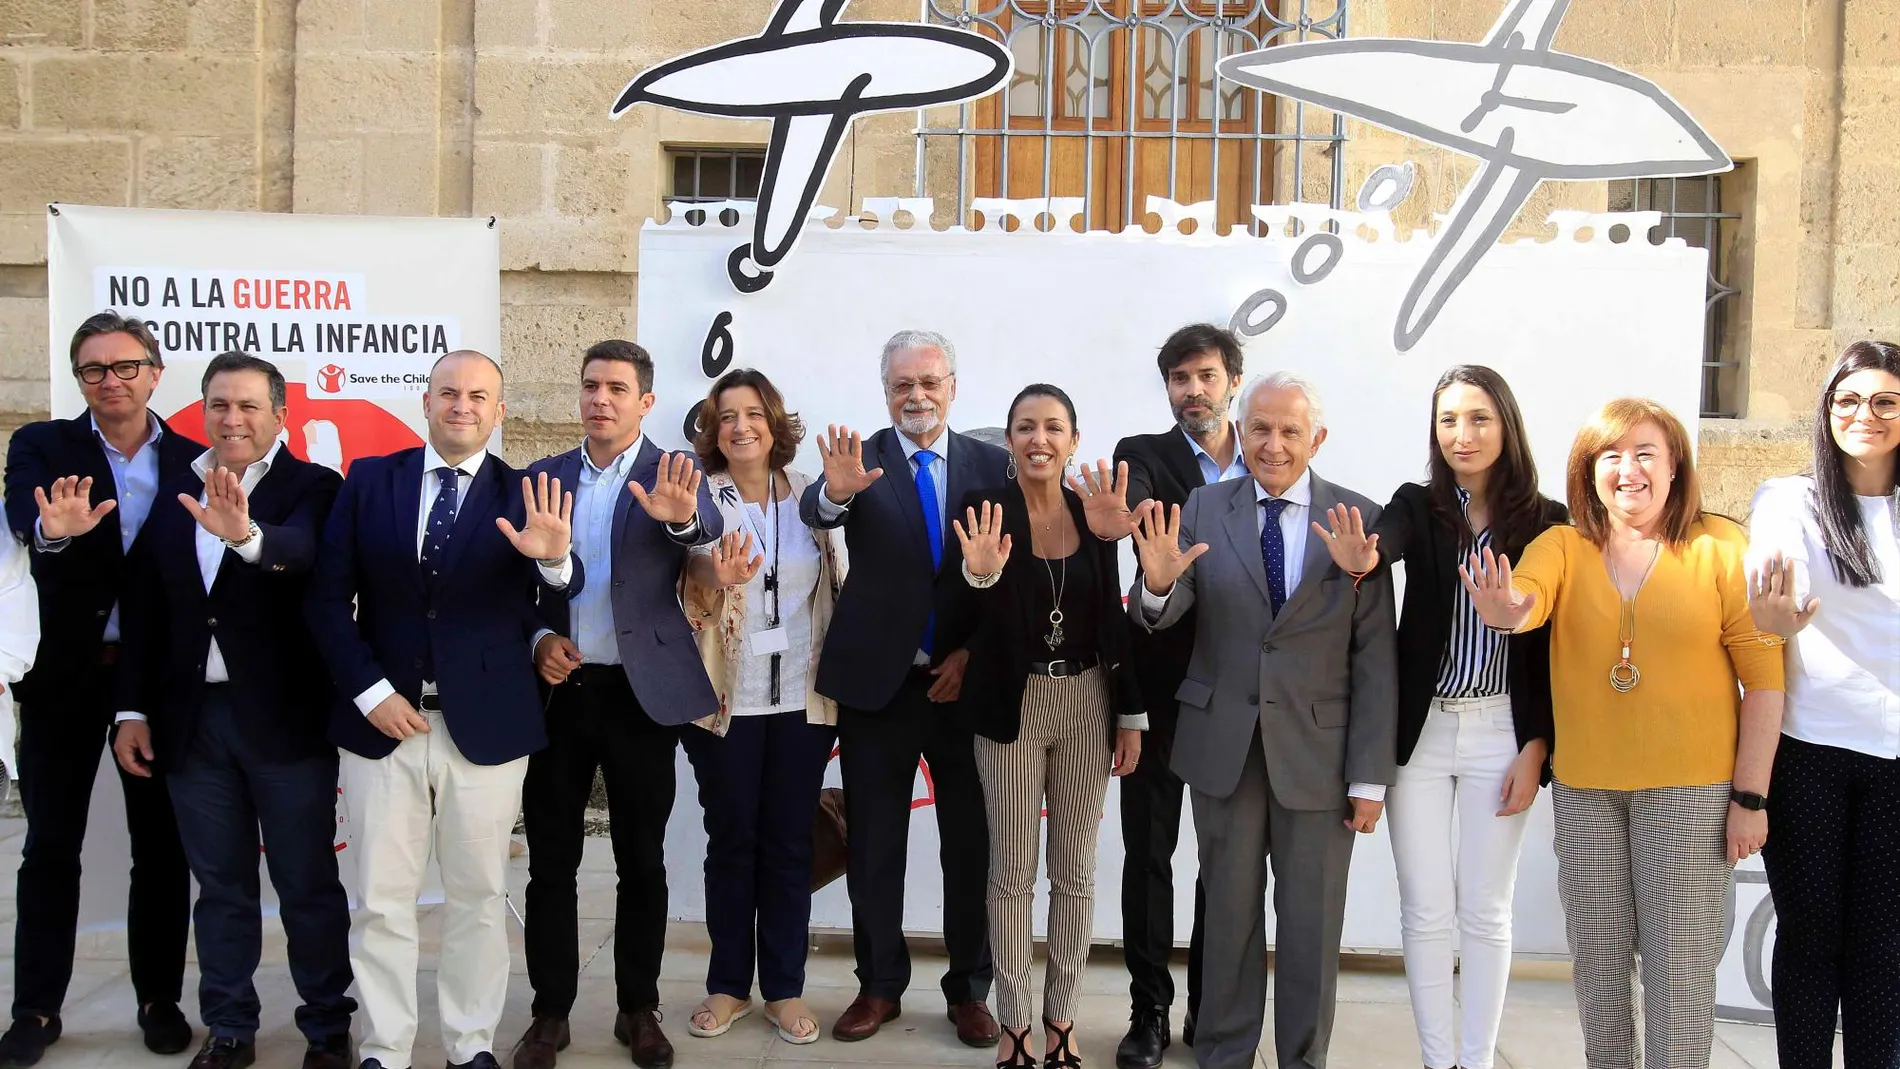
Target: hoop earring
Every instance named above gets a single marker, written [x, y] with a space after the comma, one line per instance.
[1010, 472]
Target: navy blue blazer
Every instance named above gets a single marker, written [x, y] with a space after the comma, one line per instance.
[280, 690]
[892, 591]
[78, 585]
[478, 618]
[657, 647]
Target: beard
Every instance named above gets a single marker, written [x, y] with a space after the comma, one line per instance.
[1207, 424]
[917, 421]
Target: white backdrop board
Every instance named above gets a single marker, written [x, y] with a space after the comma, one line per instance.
[1569, 323]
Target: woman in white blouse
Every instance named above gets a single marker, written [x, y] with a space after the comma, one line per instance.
[19, 634]
[1825, 572]
[760, 599]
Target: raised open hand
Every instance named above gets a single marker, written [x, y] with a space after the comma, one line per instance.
[843, 452]
[1487, 580]
[68, 511]
[1158, 547]
[732, 559]
[1104, 499]
[1353, 550]
[985, 545]
[1771, 599]
[674, 498]
[226, 512]
[546, 528]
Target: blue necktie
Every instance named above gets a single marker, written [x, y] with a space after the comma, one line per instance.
[933, 525]
[435, 537]
[1273, 551]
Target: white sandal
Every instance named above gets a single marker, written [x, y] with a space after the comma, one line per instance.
[775, 1013]
[740, 1010]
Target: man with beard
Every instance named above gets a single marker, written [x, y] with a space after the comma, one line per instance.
[1200, 365]
[892, 661]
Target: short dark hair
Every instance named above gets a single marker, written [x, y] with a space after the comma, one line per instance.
[787, 429]
[241, 361]
[1197, 338]
[627, 353]
[111, 322]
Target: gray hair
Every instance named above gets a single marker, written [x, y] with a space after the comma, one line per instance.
[905, 340]
[1285, 380]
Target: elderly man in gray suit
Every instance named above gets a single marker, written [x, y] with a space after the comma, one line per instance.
[1288, 714]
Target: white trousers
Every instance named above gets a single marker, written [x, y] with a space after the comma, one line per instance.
[1457, 867]
[427, 794]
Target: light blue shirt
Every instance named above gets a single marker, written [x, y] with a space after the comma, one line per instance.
[1211, 471]
[134, 487]
[592, 610]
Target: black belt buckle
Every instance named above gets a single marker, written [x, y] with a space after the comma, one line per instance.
[429, 703]
[1063, 669]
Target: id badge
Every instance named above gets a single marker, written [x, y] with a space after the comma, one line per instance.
[770, 640]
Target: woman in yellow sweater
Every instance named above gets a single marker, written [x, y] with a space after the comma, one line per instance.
[1667, 702]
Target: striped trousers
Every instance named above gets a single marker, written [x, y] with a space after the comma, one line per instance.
[1060, 761]
[1644, 874]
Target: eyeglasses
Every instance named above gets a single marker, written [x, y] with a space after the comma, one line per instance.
[1883, 405]
[94, 374]
[903, 387]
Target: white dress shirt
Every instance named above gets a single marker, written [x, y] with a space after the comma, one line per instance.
[556, 577]
[1211, 471]
[1843, 685]
[19, 635]
[134, 487]
[1294, 519]
[939, 478]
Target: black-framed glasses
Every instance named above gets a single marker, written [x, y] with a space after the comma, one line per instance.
[94, 374]
[1845, 404]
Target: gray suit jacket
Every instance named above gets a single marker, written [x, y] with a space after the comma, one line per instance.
[1319, 682]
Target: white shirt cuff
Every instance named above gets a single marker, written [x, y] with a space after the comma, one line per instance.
[558, 577]
[40, 543]
[374, 696]
[536, 644]
[251, 551]
[124, 716]
[1152, 603]
[1371, 792]
[831, 510]
[1132, 722]
[684, 530]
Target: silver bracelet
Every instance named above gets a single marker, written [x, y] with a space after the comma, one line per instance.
[981, 582]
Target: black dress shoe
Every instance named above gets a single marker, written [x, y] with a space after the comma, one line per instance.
[484, 1060]
[224, 1052]
[1147, 1038]
[330, 1053]
[1187, 1029]
[166, 1030]
[545, 1037]
[25, 1043]
[640, 1030]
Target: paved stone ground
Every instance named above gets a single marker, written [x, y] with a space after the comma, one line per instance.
[1374, 1025]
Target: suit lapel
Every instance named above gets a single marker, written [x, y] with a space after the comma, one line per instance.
[99, 470]
[405, 489]
[645, 470]
[1179, 458]
[897, 474]
[1315, 558]
[484, 492]
[1243, 530]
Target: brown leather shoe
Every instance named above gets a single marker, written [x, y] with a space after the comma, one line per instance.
[640, 1030]
[976, 1026]
[544, 1037]
[866, 1015]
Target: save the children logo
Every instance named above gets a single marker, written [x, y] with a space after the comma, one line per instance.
[330, 378]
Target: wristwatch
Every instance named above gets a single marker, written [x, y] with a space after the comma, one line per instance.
[245, 541]
[1748, 800]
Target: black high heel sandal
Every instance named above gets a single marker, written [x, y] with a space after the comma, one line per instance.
[1061, 1056]
[1019, 1058]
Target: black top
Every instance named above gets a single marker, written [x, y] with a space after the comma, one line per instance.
[1074, 576]
[1161, 467]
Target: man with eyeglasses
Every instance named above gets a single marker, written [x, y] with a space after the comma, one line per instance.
[893, 663]
[77, 492]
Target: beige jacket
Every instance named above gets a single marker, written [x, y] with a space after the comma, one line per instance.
[718, 615]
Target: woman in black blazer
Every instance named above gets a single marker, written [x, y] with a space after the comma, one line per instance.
[1052, 697]
[1475, 730]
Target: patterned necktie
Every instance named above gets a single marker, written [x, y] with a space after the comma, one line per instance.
[435, 537]
[933, 526]
[1273, 551]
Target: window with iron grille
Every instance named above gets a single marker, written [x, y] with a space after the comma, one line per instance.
[1707, 212]
[714, 174]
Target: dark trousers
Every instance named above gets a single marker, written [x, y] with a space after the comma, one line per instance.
[223, 794]
[878, 750]
[60, 747]
[1834, 870]
[1151, 827]
[595, 723]
[759, 788]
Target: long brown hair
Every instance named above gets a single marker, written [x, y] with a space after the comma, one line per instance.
[1835, 509]
[787, 429]
[1511, 496]
[1682, 510]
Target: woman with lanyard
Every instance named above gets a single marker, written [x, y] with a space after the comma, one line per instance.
[760, 599]
[1824, 555]
[1474, 708]
[1667, 704]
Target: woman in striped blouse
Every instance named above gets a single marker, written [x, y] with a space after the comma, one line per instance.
[1474, 708]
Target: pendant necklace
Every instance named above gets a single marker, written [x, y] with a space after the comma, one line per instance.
[1624, 675]
[1055, 636]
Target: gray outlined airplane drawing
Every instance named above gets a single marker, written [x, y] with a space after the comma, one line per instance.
[812, 75]
[1528, 113]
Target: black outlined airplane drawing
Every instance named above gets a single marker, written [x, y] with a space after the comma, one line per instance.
[1528, 113]
[812, 75]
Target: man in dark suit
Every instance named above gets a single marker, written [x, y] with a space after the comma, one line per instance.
[893, 662]
[78, 492]
[1201, 367]
[222, 688]
[625, 674]
[437, 705]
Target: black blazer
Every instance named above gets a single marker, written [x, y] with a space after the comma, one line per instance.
[280, 689]
[891, 590]
[78, 585]
[1161, 467]
[1409, 532]
[1000, 624]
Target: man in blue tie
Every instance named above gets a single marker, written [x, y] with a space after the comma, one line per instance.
[893, 660]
